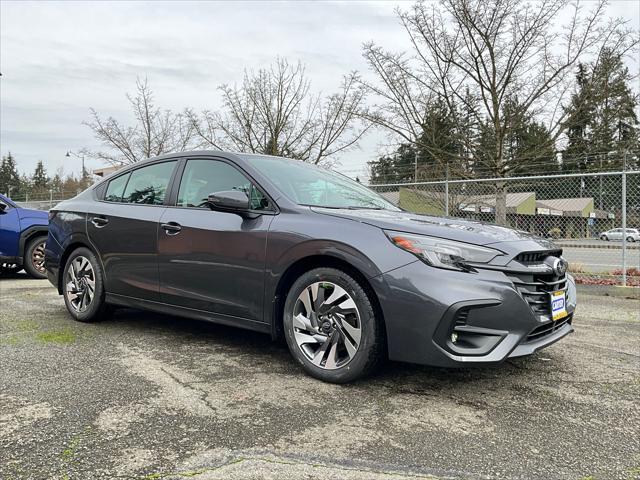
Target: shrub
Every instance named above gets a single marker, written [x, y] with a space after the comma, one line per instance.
[631, 272]
[576, 267]
[555, 232]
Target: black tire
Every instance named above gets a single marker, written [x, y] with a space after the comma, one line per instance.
[34, 257]
[371, 347]
[604, 238]
[96, 309]
[630, 239]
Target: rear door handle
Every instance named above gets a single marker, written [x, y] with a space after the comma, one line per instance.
[171, 228]
[99, 222]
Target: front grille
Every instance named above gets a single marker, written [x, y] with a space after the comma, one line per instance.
[529, 258]
[535, 289]
[547, 329]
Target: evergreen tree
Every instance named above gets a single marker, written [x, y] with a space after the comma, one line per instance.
[528, 146]
[439, 146]
[602, 119]
[9, 176]
[39, 179]
[57, 182]
[396, 168]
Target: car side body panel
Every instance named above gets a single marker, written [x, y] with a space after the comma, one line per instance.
[127, 244]
[10, 232]
[215, 263]
[17, 227]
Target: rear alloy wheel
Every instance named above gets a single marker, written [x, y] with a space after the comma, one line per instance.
[331, 327]
[34, 258]
[630, 239]
[83, 287]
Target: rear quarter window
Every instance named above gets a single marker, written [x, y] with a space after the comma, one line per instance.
[148, 185]
[116, 187]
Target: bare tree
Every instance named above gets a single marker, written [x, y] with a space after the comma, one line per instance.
[492, 62]
[274, 112]
[155, 131]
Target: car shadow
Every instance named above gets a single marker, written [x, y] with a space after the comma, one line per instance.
[21, 275]
[185, 332]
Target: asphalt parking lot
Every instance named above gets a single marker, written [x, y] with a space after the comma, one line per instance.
[150, 396]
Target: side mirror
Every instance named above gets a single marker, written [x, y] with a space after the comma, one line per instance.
[229, 200]
[3, 206]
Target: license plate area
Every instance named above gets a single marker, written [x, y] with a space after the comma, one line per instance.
[558, 304]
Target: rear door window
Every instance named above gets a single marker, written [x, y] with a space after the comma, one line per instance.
[148, 185]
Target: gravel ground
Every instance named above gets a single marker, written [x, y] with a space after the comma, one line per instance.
[150, 396]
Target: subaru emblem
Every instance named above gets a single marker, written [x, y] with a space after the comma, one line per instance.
[560, 266]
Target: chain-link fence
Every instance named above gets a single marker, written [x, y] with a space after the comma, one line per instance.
[585, 214]
[43, 200]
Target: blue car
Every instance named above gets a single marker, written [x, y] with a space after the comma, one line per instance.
[23, 233]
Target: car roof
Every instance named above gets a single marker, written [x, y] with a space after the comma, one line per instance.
[167, 156]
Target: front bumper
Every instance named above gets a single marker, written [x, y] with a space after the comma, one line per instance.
[488, 312]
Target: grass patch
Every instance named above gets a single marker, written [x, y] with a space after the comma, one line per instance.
[69, 452]
[57, 336]
[633, 473]
[12, 340]
[25, 325]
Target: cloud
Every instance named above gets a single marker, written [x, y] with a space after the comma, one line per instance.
[58, 59]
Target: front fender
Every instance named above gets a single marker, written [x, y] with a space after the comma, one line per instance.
[302, 242]
[330, 248]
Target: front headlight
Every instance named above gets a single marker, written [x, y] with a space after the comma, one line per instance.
[442, 253]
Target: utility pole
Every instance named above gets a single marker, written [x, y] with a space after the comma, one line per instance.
[415, 165]
[81, 156]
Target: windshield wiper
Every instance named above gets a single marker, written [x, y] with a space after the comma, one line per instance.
[347, 207]
[364, 208]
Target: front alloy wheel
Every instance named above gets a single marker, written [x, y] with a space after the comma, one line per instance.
[327, 325]
[331, 326]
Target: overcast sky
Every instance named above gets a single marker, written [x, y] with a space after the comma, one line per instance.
[58, 59]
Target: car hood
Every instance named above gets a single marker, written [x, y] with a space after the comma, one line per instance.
[477, 233]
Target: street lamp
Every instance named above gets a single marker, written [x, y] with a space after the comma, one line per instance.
[69, 153]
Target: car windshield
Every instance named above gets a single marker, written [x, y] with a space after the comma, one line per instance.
[313, 186]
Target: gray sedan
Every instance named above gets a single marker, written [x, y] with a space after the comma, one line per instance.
[296, 251]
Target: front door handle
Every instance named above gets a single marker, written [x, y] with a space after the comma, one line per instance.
[99, 222]
[171, 228]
